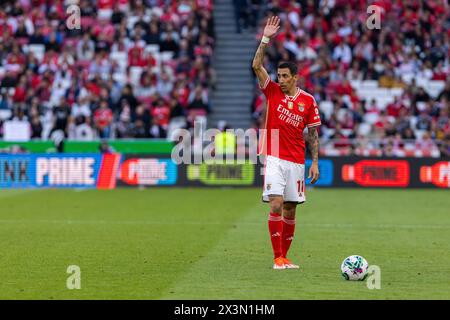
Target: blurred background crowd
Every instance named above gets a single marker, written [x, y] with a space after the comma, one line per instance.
[132, 68]
[136, 68]
[380, 91]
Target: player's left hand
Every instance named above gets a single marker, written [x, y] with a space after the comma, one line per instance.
[314, 173]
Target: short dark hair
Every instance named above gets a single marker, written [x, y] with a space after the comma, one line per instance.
[289, 65]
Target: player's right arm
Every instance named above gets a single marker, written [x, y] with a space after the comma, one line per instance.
[272, 26]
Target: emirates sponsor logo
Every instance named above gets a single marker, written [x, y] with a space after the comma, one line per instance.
[289, 117]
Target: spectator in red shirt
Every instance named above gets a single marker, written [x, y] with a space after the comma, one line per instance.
[21, 90]
[393, 109]
[103, 118]
[161, 113]
[135, 57]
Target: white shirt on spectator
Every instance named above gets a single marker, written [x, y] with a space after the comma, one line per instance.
[175, 36]
[185, 30]
[83, 132]
[142, 91]
[88, 52]
[409, 66]
[294, 19]
[164, 88]
[307, 53]
[365, 50]
[327, 5]
[81, 110]
[345, 31]
[291, 45]
[58, 91]
[343, 52]
[308, 21]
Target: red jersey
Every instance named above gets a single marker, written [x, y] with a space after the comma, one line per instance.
[290, 115]
[162, 115]
[103, 117]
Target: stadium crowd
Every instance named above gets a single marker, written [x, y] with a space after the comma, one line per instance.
[136, 68]
[133, 68]
[334, 48]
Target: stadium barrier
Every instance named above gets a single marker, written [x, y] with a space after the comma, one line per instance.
[152, 146]
[107, 171]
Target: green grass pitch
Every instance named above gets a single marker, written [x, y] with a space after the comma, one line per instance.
[171, 243]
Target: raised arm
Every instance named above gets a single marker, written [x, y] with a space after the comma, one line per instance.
[272, 26]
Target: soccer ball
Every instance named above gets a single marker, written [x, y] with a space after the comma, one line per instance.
[354, 268]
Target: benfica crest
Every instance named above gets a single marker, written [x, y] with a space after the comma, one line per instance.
[301, 107]
[290, 104]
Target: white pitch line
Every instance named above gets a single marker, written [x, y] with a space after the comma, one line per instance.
[313, 225]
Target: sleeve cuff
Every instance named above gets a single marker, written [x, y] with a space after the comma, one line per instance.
[315, 124]
[265, 83]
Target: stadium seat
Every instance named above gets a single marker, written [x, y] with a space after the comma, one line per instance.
[121, 58]
[120, 77]
[327, 108]
[422, 106]
[347, 132]
[104, 14]
[396, 92]
[5, 114]
[356, 84]
[369, 84]
[434, 87]
[327, 132]
[419, 133]
[15, 130]
[166, 56]
[364, 129]
[370, 118]
[407, 78]
[421, 82]
[152, 49]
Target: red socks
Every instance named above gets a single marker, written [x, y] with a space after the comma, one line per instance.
[287, 234]
[276, 230]
[281, 233]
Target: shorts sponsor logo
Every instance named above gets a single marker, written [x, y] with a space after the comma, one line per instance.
[269, 185]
